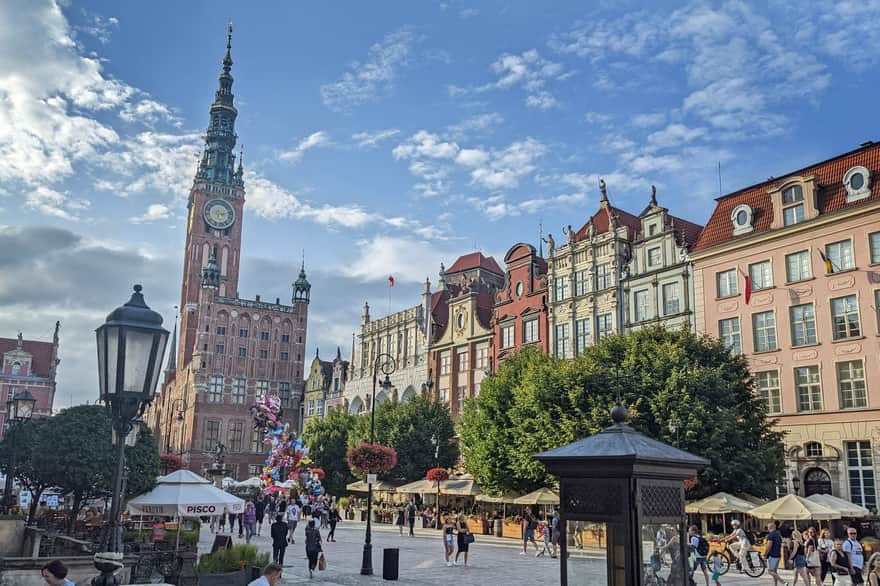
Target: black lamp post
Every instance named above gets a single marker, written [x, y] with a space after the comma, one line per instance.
[436, 443]
[796, 481]
[19, 408]
[131, 343]
[385, 363]
[179, 419]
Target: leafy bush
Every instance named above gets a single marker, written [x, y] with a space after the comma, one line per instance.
[343, 502]
[231, 560]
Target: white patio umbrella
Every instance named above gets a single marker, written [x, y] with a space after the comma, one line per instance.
[842, 506]
[794, 508]
[184, 494]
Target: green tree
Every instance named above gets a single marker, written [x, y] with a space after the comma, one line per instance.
[409, 428]
[685, 390]
[26, 449]
[142, 461]
[327, 440]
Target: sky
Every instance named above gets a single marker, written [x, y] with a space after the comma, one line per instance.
[385, 138]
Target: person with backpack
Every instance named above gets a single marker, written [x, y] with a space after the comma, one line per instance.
[529, 525]
[840, 564]
[700, 547]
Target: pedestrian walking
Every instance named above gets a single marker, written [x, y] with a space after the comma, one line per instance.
[715, 564]
[232, 517]
[55, 574]
[464, 538]
[222, 522]
[278, 531]
[293, 511]
[700, 549]
[529, 525]
[241, 525]
[773, 553]
[333, 518]
[325, 514]
[825, 544]
[856, 555]
[554, 532]
[544, 528]
[250, 521]
[813, 557]
[448, 538]
[841, 569]
[400, 522]
[260, 508]
[313, 545]
[800, 558]
[271, 576]
[411, 513]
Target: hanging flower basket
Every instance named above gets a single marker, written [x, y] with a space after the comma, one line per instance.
[169, 463]
[690, 483]
[437, 475]
[371, 459]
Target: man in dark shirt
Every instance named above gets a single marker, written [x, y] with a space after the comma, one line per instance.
[773, 552]
[261, 513]
[279, 539]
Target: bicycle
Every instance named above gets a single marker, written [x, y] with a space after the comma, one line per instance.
[755, 566]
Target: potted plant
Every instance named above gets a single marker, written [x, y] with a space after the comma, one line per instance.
[228, 567]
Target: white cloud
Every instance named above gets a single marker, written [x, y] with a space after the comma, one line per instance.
[153, 161]
[314, 140]
[597, 118]
[408, 259]
[504, 168]
[371, 139]
[468, 13]
[54, 203]
[531, 72]
[472, 157]
[542, 100]
[154, 213]
[475, 125]
[149, 112]
[99, 27]
[365, 81]
[425, 144]
[675, 135]
[649, 120]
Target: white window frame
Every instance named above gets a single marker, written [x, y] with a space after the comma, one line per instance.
[239, 391]
[215, 388]
[764, 335]
[671, 304]
[742, 227]
[852, 391]
[808, 388]
[642, 304]
[858, 480]
[844, 318]
[874, 247]
[728, 280]
[445, 362]
[581, 335]
[794, 214]
[801, 255]
[761, 275]
[581, 283]
[561, 343]
[803, 324]
[843, 259]
[531, 331]
[853, 194]
[603, 276]
[482, 361]
[768, 389]
[560, 288]
[731, 339]
[508, 336]
[604, 326]
[463, 357]
[659, 260]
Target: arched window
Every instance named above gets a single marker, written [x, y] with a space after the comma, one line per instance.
[16, 368]
[813, 449]
[816, 481]
[224, 260]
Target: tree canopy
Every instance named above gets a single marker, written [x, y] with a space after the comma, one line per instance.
[327, 440]
[679, 388]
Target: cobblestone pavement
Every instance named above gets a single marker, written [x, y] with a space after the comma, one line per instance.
[493, 561]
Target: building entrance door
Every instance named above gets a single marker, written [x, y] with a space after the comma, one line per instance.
[816, 481]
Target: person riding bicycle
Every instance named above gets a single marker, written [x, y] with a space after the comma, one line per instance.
[739, 544]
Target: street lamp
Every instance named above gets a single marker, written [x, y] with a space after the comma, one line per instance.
[436, 443]
[19, 408]
[179, 419]
[387, 367]
[131, 343]
[795, 480]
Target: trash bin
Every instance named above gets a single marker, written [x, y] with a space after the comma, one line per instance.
[499, 529]
[390, 562]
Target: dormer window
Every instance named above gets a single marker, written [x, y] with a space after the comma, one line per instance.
[858, 184]
[793, 205]
[742, 217]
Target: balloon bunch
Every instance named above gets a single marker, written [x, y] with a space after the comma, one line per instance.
[288, 460]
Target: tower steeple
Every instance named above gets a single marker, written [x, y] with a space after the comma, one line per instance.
[302, 287]
[218, 159]
[172, 350]
[211, 274]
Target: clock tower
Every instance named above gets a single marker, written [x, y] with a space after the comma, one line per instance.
[214, 211]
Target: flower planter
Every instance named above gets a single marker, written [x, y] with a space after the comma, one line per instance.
[513, 530]
[475, 526]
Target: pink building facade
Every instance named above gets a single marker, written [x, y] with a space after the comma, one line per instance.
[810, 329]
[28, 365]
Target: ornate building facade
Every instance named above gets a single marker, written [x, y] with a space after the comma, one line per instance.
[521, 304]
[317, 386]
[28, 365]
[231, 350]
[402, 335]
[807, 318]
[659, 283]
[586, 276]
[462, 344]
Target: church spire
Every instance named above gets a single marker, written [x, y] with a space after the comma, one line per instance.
[218, 159]
[172, 350]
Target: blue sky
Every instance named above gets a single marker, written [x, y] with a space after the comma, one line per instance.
[384, 138]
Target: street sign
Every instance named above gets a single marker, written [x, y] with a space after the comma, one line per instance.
[52, 501]
[371, 479]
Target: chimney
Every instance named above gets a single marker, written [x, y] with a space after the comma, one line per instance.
[258, 298]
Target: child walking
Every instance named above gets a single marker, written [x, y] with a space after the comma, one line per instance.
[715, 564]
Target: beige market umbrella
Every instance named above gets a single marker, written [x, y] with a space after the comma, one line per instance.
[419, 487]
[504, 498]
[378, 486]
[794, 508]
[842, 506]
[459, 487]
[542, 496]
[719, 503]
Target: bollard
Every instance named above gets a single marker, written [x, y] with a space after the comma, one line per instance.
[390, 563]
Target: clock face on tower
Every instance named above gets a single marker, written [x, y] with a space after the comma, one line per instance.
[219, 214]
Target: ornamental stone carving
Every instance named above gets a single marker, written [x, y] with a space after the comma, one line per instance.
[728, 306]
[848, 349]
[841, 283]
[762, 299]
[805, 355]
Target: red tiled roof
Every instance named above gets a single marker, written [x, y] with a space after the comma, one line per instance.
[472, 261]
[41, 352]
[602, 221]
[831, 195]
[686, 232]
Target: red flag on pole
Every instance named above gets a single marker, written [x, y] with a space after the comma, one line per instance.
[390, 281]
[748, 287]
